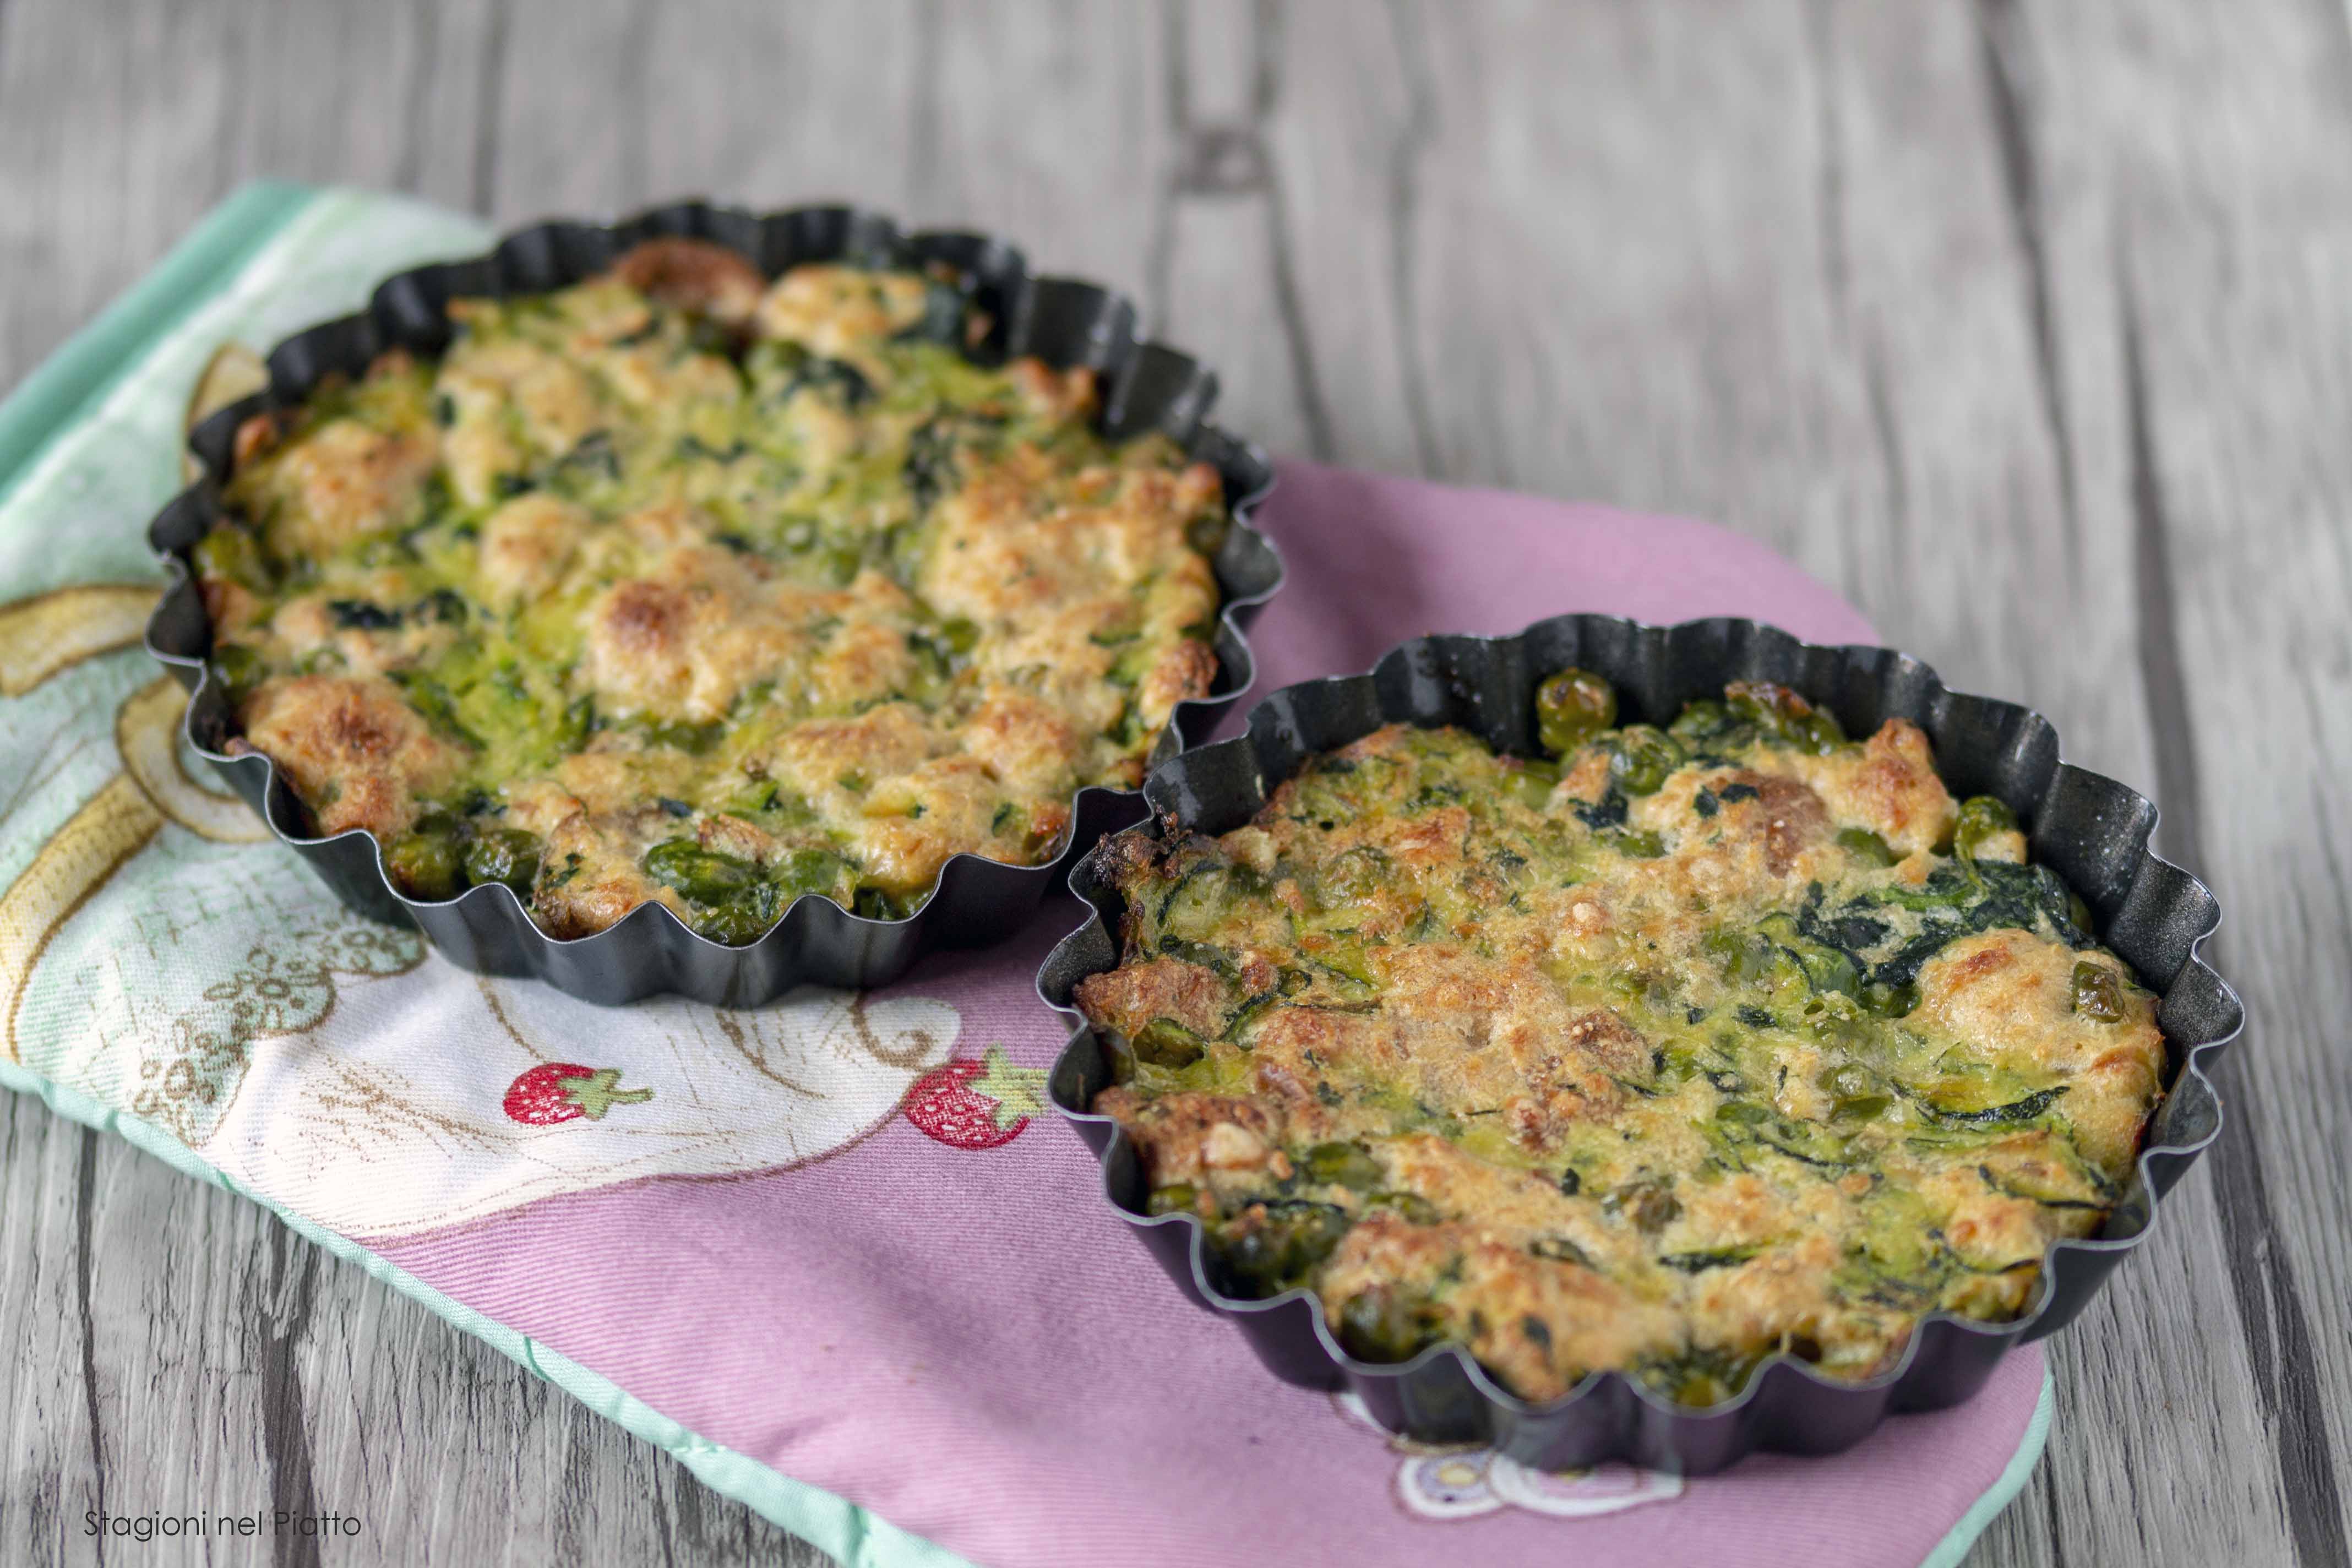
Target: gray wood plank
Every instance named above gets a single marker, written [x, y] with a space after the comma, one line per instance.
[2222, 254]
[2021, 322]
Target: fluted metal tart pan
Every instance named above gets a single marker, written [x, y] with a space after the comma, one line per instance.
[1063, 321]
[2092, 830]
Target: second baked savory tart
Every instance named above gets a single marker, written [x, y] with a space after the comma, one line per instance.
[1676, 1050]
[679, 585]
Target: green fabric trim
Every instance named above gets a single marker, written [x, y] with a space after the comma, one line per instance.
[859, 1538]
[94, 359]
[2020, 1470]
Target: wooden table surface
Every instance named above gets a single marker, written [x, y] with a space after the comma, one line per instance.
[2026, 323]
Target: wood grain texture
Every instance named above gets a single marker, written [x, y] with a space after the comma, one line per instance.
[2027, 323]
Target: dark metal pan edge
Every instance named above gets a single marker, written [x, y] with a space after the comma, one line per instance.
[1067, 322]
[2093, 830]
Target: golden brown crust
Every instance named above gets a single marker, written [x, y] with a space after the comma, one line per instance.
[346, 482]
[693, 275]
[527, 545]
[1132, 995]
[353, 749]
[1191, 1137]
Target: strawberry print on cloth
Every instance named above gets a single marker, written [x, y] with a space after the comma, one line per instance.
[556, 1092]
[983, 1104]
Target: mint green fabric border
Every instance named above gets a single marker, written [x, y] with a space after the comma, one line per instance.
[859, 1538]
[96, 358]
[50, 401]
[2013, 1476]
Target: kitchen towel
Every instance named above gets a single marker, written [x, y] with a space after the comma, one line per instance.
[835, 1254]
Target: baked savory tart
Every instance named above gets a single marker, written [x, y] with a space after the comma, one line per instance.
[1681, 1048]
[677, 586]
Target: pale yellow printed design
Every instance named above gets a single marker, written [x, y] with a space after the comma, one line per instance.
[113, 825]
[53, 632]
[1464, 1481]
[200, 1051]
[397, 1119]
[39, 638]
[285, 986]
[235, 371]
[147, 735]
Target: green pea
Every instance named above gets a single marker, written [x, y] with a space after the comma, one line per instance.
[1531, 782]
[693, 738]
[1381, 1324]
[1639, 844]
[426, 865]
[1847, 1079]
[1348, 1165]
[1165, 1043]
[506, 855]
[1865, 845]
[1784, 717]
[1890, 1001]
[239, 668]
[1177, 1197]
[1571, 706]
[1981, 818]
[1701, 1389]
[736, 922]
[2098, 992]
[702, 874]
[1413, 1207]
[1280, 1249]
[1641, 757]
[231, 554]
[1701, 721]
[1655, 1209]
[579, 721]
[812, 871]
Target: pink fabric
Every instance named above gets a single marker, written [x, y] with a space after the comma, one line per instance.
[970, 1344]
